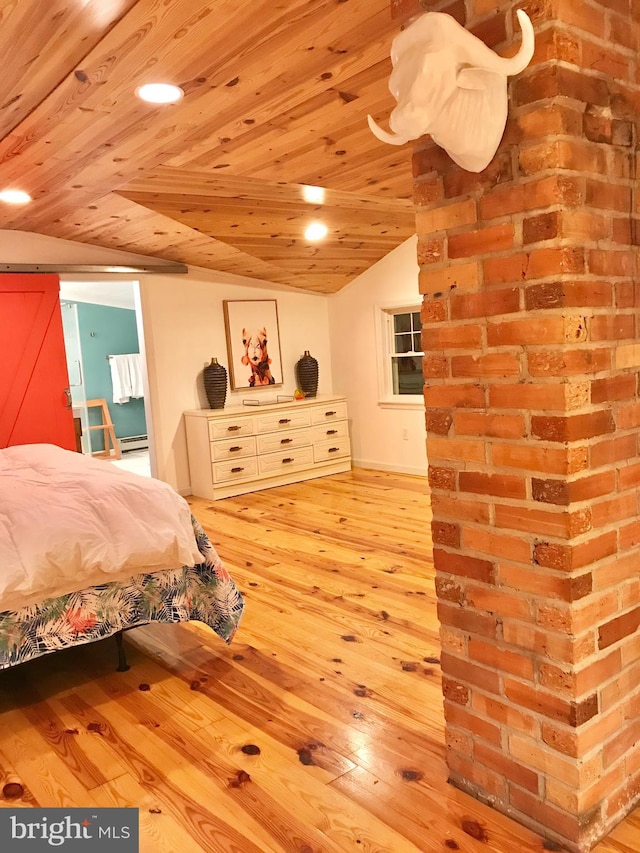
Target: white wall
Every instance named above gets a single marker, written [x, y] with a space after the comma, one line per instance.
[376, 431]
[23, 247]
[184, 328]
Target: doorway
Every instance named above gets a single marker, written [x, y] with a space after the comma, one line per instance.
[71, 333]
[102, 326]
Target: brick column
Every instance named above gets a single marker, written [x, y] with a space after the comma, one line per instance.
[532, 356]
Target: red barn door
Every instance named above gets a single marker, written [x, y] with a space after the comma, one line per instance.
[34, 402]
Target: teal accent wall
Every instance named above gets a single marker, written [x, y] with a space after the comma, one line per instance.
[114, 332]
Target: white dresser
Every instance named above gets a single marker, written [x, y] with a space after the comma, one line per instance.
[246, 448]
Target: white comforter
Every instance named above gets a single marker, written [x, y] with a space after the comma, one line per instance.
[68, 521]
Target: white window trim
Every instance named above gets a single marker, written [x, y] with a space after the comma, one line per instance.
[384, 336]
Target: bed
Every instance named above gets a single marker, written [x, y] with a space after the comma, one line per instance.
[88, 551]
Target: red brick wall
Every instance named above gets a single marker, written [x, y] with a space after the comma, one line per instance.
[532, 358]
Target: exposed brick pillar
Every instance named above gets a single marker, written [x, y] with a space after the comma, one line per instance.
[532, 358]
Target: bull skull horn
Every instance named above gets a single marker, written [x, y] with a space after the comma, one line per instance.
[484, 57]
[384, 135]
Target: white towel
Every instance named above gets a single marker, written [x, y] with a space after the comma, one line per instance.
[126, 377]
[135, 373]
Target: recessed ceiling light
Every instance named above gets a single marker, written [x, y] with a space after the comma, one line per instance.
[314, 195]
[159, 93]
[15, 196]
[316, 231]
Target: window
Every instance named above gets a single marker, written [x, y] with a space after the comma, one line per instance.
[406, 354]
[400, 371]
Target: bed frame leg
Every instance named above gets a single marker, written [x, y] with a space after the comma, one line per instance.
[123, 666]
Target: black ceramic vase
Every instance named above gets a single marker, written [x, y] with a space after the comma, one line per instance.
[215, 384]
[307, 374]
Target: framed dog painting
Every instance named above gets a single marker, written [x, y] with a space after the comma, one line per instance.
[253, 343]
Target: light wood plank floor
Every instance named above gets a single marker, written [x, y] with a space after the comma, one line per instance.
[319, 730]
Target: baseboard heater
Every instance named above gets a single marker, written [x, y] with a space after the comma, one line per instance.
[133, 442]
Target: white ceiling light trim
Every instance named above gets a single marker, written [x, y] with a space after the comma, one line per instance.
[316, 231]
[15, 197]
[314, 195]
[159, 93]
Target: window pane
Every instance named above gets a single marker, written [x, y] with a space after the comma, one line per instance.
[402, 323]
[417, 343]
[407, 375]
[403, 343]
[416, 321]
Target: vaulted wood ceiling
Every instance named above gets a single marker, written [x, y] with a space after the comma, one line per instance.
[276, 97]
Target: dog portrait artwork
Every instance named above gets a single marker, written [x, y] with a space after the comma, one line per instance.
[253, 343]
[256, 355]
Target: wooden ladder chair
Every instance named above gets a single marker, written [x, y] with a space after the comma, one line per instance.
[108, 431]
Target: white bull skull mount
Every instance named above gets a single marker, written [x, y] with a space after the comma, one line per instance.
[449, 84]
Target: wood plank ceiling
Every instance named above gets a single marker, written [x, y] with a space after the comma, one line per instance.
[276, 97]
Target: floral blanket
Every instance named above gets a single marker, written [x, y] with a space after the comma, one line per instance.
[204, 592]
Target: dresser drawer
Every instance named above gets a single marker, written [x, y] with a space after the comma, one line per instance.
[284, 441]
[325, 451]
[276, 421]
[230, 428]
[330, 431]
[240, 469]
[328, 413]
[284, 461]
[233, 448]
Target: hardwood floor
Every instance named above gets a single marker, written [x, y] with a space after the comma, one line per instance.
[319, 730]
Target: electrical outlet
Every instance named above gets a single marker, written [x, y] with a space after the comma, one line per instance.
[405, 435]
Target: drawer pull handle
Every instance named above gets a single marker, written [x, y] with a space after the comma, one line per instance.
[284, 421]
[236, 470]
[235, 449]
[330, 414]
[233, 428]
[286, 440]
[333, 450]
[287, 459]
[332, 432]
